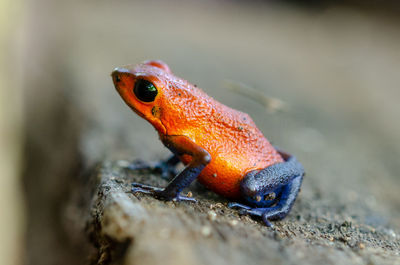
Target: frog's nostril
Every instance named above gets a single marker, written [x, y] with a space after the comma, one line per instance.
[117, 78]
[117, 72]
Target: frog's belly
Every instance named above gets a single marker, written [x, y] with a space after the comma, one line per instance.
[225, 171]
[223, 178]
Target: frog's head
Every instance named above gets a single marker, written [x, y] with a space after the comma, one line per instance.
[141, 87]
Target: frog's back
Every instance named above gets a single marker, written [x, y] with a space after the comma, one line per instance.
[231, 137]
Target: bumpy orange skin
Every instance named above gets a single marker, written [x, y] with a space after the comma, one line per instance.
[231, 137]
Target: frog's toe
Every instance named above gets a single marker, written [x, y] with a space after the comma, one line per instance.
[266, 213]
[159, 193]
[238, 206]
[184, 198]
[142, 188]
[272, 214]
[162, 194]
[244, 209]
[252, 211]
[267, 222]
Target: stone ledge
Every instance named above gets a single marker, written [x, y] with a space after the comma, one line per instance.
[138, 229]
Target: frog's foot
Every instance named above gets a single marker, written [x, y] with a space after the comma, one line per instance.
[146, 189]
[237, 205]
[159, 193]
[267, 214]
[271, 191]
[244, 209]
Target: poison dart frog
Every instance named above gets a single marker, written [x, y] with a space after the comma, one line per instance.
[221, 147]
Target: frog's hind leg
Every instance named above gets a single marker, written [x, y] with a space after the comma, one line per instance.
[286, 201]
[271, 191]
[283, 206]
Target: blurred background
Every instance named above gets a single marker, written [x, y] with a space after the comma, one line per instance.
[334, 63]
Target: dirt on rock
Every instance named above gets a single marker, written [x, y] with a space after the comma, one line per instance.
[130, 228]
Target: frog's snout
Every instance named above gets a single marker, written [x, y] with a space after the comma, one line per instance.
[115, 76]
[119, 70]
[117, 73]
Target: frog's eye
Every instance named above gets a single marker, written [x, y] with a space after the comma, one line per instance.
[144, 90]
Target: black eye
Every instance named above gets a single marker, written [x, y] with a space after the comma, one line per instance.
[145, 90]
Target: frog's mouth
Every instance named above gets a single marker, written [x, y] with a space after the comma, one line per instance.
[155, 121]
[137, 111]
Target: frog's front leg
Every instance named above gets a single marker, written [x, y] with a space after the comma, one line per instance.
[271, 192]
[179, 145]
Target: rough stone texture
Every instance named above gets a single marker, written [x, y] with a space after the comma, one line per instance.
[127, 229]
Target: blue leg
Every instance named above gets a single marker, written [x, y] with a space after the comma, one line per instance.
[281, 209]
[272, 191]
[179, 145]
[285, 203]
[238, 205]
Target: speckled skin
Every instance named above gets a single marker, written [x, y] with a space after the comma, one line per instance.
[234, 142]
[221, 147]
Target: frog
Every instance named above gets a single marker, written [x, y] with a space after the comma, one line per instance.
[220, 147]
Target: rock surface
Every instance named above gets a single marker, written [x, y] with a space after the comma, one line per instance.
[132, 229]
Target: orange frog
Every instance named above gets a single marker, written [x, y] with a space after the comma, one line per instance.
[220, 146]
